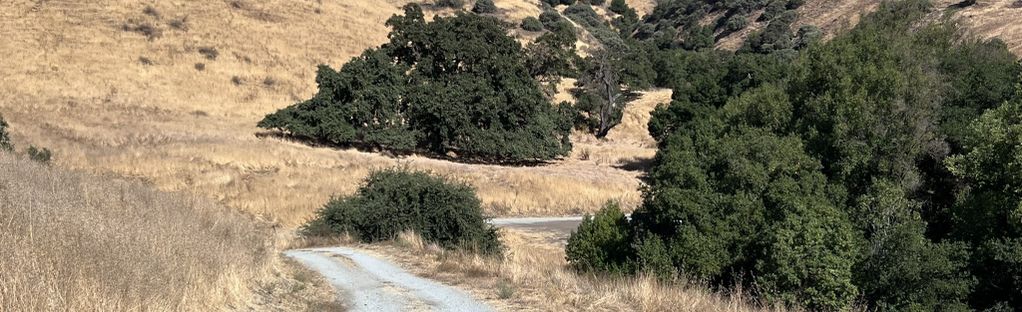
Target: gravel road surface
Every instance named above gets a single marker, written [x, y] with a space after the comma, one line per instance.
[367, 283]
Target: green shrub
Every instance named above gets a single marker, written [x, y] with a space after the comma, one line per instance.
[454, 4]
[662, 25]
[597, 2]
[618, 6]
[443, 211]
[652, 257]
[851, 172]
[551, 19]
[532, 24]
[5, 140]
[601, 242]
[988, 215]
[735, 23]
[43, 155]
[484, 7]
[584, 14]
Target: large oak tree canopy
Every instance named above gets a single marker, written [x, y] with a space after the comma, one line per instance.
[457, 84]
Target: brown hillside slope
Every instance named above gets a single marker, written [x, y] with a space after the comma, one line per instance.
[112, 86]
[986, 19]
[993, 18]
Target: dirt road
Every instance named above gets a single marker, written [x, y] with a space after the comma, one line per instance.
[368, 283]
[560, 227]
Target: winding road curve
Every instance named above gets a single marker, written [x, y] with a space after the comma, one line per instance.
[367, 283]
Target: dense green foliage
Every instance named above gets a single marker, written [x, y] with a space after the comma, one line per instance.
[456, 84]
[989, 212]
[454, 4]
[5, 139]
[601, 241]
[599, 97]
[484, 7]
[552, 55]
[618, 6]
[531, 24]
[671, 16]
[443, 211]
[881, 167]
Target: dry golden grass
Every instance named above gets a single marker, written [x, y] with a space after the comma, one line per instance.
[992, 18]
[74, 82]
[642, 7]
[534, 277]
[77, 242]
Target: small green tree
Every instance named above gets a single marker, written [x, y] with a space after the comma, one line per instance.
[5, 140]
[808, 259]
[599, 94]
[531, 24]
[484, 7]
[551, 57]
[552, 20]
[619, 6]
[601, 242]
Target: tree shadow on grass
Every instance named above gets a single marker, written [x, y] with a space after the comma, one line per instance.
[636, 164]
[398, 153]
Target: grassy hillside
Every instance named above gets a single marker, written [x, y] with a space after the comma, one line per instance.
[995, 18]
[171, 93]
[83, 243]
[985, 19]
[178, 107]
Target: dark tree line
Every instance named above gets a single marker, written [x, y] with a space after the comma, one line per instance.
[880, 168]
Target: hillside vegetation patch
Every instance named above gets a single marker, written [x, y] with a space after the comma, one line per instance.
[442, 211]
[880, 167]
[455, 85]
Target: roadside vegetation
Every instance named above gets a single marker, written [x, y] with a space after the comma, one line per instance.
[877, 169]
[533, 275]
[441, 210]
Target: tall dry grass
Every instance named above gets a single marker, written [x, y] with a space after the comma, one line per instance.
[533, 276]
[75, 242]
